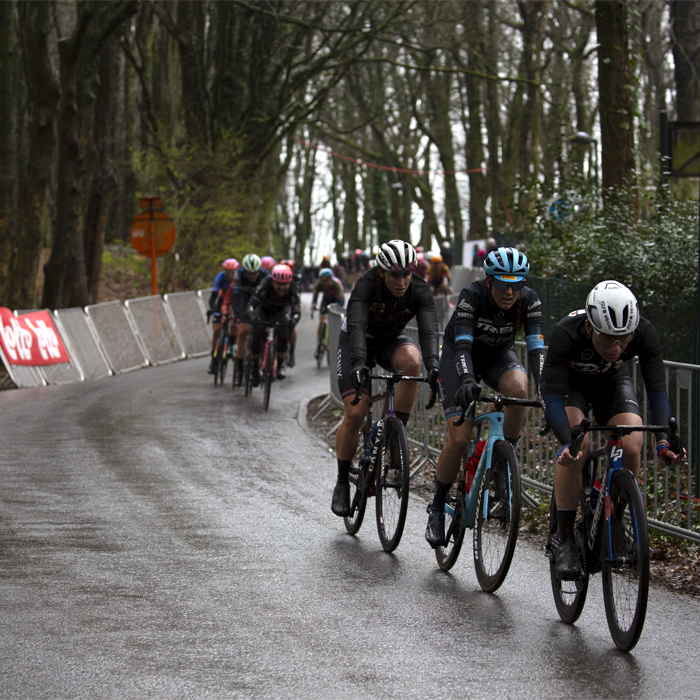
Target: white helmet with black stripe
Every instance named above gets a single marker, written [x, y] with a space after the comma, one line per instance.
[612, 309]
[397, 256]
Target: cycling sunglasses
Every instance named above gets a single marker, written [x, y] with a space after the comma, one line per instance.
[507, 281]
[608, 341]
[396, 267]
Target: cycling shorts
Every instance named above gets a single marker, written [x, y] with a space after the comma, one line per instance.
[326, 302]
[490, 371]
[607, 398]
[381, 352]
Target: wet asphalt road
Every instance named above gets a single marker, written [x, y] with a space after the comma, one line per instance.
[162, 538]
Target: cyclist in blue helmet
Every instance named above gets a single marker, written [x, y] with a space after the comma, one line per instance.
[331, 290]
[479, 345]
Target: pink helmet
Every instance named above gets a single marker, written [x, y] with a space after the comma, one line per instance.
[230, 264]
[281, 273]
[358, 251]
[267, 262]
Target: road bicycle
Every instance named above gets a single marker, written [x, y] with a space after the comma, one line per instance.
[490, 504]
[269, 361]
[222, 353]
[381, 466]
[611, 535]
[321, 344]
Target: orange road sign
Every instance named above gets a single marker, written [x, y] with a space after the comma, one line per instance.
[152, 232]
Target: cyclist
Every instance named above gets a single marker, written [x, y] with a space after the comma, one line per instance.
[587, 366]
[478, 344]
[222, 281]
[438, 276]
[331, 290]
[267, 262]
[275, 300]
[297, 281]
[383, 301]
[236, 300]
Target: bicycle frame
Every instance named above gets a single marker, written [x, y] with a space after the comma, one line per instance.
[494, 420]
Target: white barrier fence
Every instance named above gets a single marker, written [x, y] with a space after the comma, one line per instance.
[113, 338]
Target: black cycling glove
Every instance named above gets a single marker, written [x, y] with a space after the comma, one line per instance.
[469, 391]
[358, 376]
[433, 379]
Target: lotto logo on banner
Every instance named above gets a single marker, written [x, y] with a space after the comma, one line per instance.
[30, 339]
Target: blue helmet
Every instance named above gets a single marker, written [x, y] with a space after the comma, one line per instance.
[507, 265]
[326, 272]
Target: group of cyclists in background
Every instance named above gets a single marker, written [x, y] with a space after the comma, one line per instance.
[586, 366]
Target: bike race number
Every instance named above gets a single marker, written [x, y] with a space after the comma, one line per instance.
[30, 339]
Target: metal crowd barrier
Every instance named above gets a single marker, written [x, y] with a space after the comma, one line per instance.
[189, 322]
[155, 329]
[104, 339]
[672, 492]
[85, 348]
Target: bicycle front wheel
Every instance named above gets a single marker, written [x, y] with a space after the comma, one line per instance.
[569, 596]
[454, 528]
[268, 372]
[358, 492]
[393, 474]
[626, 560]
[497, 517]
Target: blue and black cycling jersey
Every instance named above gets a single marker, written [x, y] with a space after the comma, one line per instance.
[221, 284]
[573, 363]
[480, 332]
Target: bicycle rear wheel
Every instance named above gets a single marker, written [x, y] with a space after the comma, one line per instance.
[223, 362]
[358, 493]
[626, 561]
[497, 517]
[454, 528]
[268, 372]
[393, 474]
[569, 596]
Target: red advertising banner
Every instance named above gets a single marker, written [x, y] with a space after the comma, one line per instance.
[31, 339]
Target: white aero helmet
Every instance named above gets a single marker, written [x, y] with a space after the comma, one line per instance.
[397, 256]
[612, 309]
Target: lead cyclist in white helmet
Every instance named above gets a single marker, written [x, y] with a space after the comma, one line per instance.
[587, 366]
[383, 301]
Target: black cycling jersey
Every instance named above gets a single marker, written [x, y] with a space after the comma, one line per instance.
[375, 312]
[572, 361]
[480, 331]
[266, 299]
[243, 288]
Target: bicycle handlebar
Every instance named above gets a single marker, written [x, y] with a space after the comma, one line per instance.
[578, 432]
[394, 378]
[498, 401]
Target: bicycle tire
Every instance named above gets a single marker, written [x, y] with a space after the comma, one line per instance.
[497, 518]
[222, 369]
[626, 576]
[569, 596]
[268, 372]
[358, 494]
[247, 379]
[393, 475]
[322, 345]
[454, 528]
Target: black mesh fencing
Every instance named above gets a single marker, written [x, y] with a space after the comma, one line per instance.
[675, 319]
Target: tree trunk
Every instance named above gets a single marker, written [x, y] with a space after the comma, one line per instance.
[35, 26]
[478, 193]
[65, 281]
[685, 36]
[615, 90]
[7, 143]
[103, 176]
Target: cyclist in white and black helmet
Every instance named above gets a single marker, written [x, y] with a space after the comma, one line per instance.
[383, 301]
[248, 276]
[479, 344]
[587, 367]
